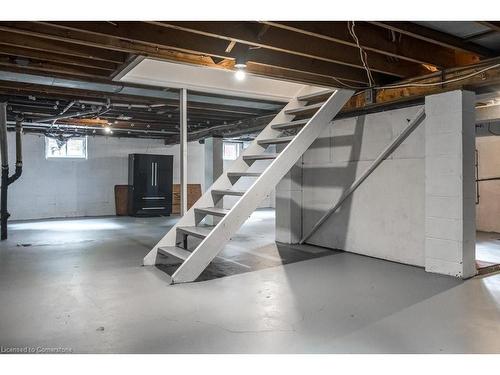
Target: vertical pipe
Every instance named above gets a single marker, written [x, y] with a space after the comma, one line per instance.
[4, 215]
[183, 150]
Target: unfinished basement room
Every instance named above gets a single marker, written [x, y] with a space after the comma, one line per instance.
[300, 186]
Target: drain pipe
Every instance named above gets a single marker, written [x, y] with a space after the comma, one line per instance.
[4, 215]
[19, 152]
[6, 180]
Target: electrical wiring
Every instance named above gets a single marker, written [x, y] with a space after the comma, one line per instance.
[362, 53]
[371, 81]
[441, 82]
[430, 84]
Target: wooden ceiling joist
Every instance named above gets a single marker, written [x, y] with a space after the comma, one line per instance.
[436, 37]
[186, 42]
[375, 39]
[43, 44]
[56, 58]
[302, 45]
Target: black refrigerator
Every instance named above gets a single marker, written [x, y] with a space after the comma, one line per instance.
[150, 184]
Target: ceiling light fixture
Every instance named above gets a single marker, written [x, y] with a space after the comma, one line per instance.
[240, 74]
[240, 65]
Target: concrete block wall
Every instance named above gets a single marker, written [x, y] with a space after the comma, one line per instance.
[450, 229]
[384, 218]
[76, 187]
[415, 208]
[488, 209]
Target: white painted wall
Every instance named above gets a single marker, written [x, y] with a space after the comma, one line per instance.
[72, 187]
[385, 217]
[488, 209]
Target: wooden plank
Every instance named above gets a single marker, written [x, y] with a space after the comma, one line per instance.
[193, 194]
[121, 200]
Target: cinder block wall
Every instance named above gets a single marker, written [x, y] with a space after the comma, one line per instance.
[385, 217]
[73, 187]
[488, 209]
[416, 208]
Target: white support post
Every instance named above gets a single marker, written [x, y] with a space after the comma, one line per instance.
[183, 149]
[450, 227]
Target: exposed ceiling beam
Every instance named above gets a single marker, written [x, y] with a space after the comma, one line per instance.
[436, 37]
[186, 42]
[41, 44]
[48, 67]
[374, 39]
[61, 33]
[487, 80]
[56, 58]
[302, 45]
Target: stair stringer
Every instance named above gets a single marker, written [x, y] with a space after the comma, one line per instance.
[223, 182]
[208, 249]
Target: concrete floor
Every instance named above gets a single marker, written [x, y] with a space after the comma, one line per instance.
[80, 285]
[488, 247]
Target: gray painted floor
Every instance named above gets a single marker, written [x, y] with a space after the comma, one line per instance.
[488, 247]
[79, 285]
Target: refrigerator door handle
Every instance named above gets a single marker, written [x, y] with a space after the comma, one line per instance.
[152, 173]
[156, 174]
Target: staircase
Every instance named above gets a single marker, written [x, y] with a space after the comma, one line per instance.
[296, 126]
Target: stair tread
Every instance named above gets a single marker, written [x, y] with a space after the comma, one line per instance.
[260, 156]
[316, 95]
[304, 109]
[273, 141]
[200, 232]
[290, 124]
[228, 192]
[243, 174]
[174, 251]
[217, 211]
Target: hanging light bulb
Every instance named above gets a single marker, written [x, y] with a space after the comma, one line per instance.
[240, 74]
[240, 64]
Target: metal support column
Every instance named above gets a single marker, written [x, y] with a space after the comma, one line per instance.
[183, 149]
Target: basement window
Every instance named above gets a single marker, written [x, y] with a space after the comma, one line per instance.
[72, 148]
[231, 150]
